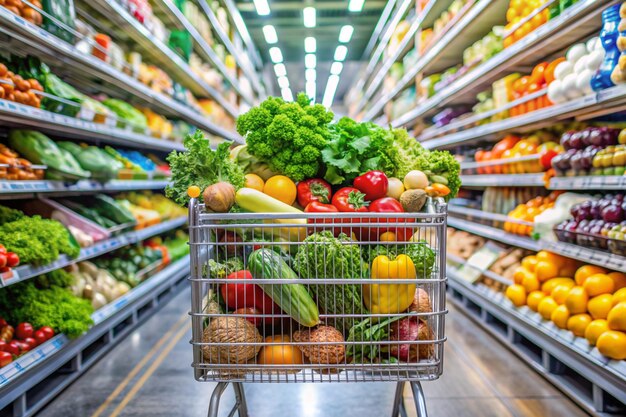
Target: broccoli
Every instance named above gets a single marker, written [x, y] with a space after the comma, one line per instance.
[289, 137]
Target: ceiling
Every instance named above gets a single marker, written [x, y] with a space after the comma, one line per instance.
[286, 17]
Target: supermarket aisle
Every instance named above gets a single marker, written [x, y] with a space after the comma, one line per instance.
[148, 374]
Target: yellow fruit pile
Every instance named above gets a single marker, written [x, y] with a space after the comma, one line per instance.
[587, 300]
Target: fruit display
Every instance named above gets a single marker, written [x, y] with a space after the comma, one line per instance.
[13, 87]
[28, 13]
[13, 168]
[19, 339]
[527, 213]
[581, 148]
[587, 300]
[524, 17]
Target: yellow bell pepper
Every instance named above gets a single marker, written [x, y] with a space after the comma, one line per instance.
[390, 298]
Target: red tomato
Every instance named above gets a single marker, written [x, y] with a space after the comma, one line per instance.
[3, 322]
[12, 259]
[13, 348]
[251, 314]
[23, 331]
[3, 345]
[373, 184]
[48, 331]
[241, 294]
[388, 205]
[3, 260]
[32, 342]
[24, 347]
[3, 249]
[5, 359]
[313, 189]
[317, 207]
[40, 337]
[349, 199]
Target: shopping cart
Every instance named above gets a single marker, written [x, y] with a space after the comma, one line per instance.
[375, 282]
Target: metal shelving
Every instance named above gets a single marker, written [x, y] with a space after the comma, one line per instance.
[23, 34]
[609, 182]
[570, 363]
[503, 180]
[30, 382]
[25, 272]
[591, 256]
[28, 189]
[596, 183]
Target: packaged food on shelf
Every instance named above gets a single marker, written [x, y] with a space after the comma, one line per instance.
[608, 41]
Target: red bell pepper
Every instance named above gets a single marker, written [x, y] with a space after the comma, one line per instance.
[388, 205]
[373, 184]
[238, 295]
[313, 189]
[317, 207]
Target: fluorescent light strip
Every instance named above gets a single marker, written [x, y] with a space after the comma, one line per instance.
[331, 88]
[310, 61]
[283, 82]
[262, 7]
[345, 34]
[286, 93]
[310, 45]
[340, 53]
[308, 15]
[336, 68]
[356, 5]
[280, 70]
[277, 56]
[270, 34]
[310, 74]
[310, 88]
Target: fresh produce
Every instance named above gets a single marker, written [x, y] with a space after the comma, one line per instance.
[24, 330]
[390, 298]
[421, 254]
[219, 197]
[279, 351]
[250, 164]
[612, 344]
[410, 329]
[6, 333]
[322, 256]
[281, 188]
[96, 284]
[415, 180]
[413, 200]
[238, 295]
[5, 359]
[373, 184]
[224, 268]
[227, 330]
[202, 167]
[18, 168]
[293, 299]
[395, 188]
[313, 189]
[254, 181]
[127, 113]
[367, 332]
[349, 199]
[326, 353]
[289, 137]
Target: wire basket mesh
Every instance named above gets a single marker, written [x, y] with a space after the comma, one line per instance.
[317, 297]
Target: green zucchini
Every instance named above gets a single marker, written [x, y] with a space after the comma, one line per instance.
[293, 299]
[108, 207]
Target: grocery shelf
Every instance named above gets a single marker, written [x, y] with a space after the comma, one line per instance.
[575, 23]
[609, 182]
[457, 260]
[503, 180]
[21, 115]
[446, 51]
[25, 272]
[28, 189]
[570, 363]
[201, 46]
[23, 34]
[235, 15]
[485, 215]
[503, 161]
[160, 53]
[30, 382]
[591, 256]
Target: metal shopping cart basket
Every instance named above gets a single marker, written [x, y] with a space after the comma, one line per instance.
[311, 297]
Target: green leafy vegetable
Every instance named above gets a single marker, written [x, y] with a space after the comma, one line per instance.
[367, 334]
[289, 137]
[201, 166]
[127, 113]
[223, 269]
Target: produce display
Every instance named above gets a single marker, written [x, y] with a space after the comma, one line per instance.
[19, 339]
[13, 168]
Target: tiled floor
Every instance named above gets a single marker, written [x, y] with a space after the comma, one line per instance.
[148, 375]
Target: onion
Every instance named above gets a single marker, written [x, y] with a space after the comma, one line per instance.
[415, 180]
[219, 197]
[395, 188]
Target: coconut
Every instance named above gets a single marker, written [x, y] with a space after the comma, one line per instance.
[322, 353]
[226, 331]
[421, 302]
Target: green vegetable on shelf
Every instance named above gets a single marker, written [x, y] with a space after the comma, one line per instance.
[93, 159]
[110, 208]
[127, 113]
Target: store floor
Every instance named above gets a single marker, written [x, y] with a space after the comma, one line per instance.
[148, 374]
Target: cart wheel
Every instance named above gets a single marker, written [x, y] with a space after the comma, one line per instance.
[240, 400]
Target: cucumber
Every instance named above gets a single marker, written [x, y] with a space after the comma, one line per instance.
[293, 299]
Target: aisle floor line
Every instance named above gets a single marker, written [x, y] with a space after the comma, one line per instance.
[133, 373]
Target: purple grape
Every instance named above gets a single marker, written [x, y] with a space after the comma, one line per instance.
[576, 162]
[595, 137]
[584, 137]
[613, 213]
[575, 141]
[565, 137]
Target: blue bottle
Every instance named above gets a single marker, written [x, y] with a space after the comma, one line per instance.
[608, 37]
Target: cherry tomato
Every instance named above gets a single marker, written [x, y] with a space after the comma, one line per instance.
[48, 331]
[5, 359]
[3, 346]
[12, 259]
[40, 337]
[3, 322]
[13, 348]
[24, 347]
[32, 342]
[23, 331]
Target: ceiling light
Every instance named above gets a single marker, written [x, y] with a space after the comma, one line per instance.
[283, 82]
[308, 14]
[286, 93]
[310, 45]
[336, 68]
[277, 56]
[262, 7]
[270, 34]
[340, 53]
[310, 89]
[331, 88]
[310, 74]
[354, 5]
[280, 70]
[345, 34]
[310, 61]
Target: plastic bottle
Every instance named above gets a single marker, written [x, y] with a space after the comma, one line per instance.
[608, 38]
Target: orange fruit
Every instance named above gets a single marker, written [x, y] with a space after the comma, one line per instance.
[612, 344]
[595, 329]
[510, 14]
[254, 181]
[286, 354]
[521, 273]
[619, 296]
[387, 237]
[554, 258]
[598, 284]
[281, 188]
[530, 262]
[576, 301]
[548, 286]
[619, 279]
[546, 307]
[578, 323]
[533, 299]
[617, 317]
[530, 283]
[568, 270]
[559, 316]
[586, 271]
[508, 41]
[599, 306]
[517, 294]
[546, 270]
[560, 293]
